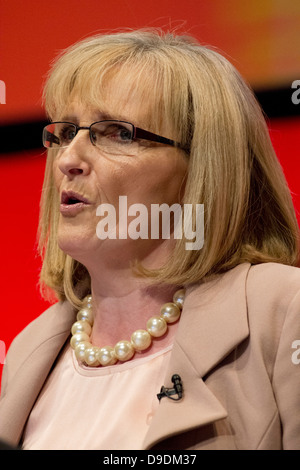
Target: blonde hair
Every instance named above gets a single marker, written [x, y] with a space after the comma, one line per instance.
[232, 167]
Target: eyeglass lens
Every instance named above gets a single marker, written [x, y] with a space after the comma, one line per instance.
[102, 134]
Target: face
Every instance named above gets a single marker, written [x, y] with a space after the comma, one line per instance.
[93, 176]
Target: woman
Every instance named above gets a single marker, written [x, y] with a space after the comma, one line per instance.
[152, 119]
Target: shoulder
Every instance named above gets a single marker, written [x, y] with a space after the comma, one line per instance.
[52, 320]
[274, 278]
[56, 320]
[262, 298]
[273, 286]
[273, 306]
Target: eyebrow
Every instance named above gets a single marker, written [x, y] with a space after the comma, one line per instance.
[99, 116]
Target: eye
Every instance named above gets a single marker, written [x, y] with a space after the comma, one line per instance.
[111, 133]
[67, 133]
[124, 134]
[118, 133]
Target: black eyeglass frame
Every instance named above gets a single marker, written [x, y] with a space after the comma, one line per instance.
[137, 133]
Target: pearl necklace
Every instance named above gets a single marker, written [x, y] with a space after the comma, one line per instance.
[124, 350]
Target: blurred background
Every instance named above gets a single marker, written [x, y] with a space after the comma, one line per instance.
[260, 37]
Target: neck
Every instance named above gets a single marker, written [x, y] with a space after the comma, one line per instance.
[122, 302]
[126, 307]
[140, 341]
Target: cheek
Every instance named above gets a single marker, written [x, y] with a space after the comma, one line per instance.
[163, 181]
[57, 175]
[112, 181]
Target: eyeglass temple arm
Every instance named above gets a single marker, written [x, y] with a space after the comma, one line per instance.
[142, 134]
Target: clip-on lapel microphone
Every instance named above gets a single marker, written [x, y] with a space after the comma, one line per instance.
[176, 390]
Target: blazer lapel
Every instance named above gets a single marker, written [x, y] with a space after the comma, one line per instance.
[37, 362]
[213, 322]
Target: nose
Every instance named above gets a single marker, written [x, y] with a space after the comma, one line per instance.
[73, 159]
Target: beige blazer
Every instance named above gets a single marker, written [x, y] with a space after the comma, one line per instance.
[234, 350]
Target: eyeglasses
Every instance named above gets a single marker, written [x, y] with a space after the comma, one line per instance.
[114, 137]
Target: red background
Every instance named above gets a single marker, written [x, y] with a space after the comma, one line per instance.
[261, 38]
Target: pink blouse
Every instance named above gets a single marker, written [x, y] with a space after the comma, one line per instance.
[88, 408]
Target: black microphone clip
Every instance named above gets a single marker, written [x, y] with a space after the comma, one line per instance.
[176, 390]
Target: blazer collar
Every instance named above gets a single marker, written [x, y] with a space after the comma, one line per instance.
[213, 322]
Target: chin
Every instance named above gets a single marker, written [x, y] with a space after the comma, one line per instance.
[75, 246]
[75, 237]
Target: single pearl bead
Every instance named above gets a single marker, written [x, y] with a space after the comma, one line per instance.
[80, 350]
[87, 301]
[124, 350]
[78, 338]
[81, 327]
[178, 297]
[85, 314]
[106, 356]
[156, 326]
[170, 312]
[90, 356]
[141, 340]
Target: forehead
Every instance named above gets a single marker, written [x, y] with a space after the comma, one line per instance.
[118, 96]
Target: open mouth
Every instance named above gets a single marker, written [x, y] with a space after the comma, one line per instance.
[70, 198]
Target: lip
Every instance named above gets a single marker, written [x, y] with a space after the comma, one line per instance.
[72, 203]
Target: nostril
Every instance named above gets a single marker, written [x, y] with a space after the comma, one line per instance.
[75, 171]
